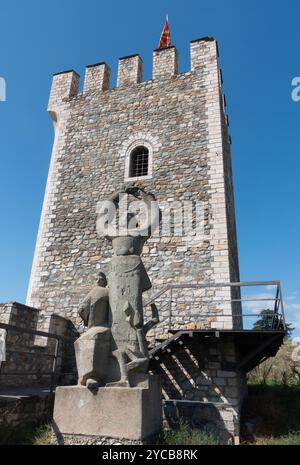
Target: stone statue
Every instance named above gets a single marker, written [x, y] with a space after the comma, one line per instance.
[114, 351]
[93, 347]
[128, 281]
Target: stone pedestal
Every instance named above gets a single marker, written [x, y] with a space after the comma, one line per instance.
[112, 412]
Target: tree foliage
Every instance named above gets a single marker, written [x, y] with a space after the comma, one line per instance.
[270, 320]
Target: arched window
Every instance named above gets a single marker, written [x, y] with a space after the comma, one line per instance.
[139, 162]
[138, 152]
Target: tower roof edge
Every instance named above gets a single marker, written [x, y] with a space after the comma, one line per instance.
[66, 71]
[205, 39]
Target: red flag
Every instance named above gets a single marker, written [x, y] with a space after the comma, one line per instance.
[165, 38]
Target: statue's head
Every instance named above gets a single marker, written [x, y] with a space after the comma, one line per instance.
[101, 279]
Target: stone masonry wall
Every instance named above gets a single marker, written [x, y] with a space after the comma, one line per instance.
[180, 117]
[29, 358]
[198, 385]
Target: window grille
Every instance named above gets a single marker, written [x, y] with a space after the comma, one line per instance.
[139, 162]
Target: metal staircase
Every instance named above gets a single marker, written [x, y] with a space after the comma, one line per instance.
[254, 344]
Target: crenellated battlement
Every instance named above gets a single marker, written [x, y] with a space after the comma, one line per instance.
[130, 70]
[96, 77]
[64, 85]
[203, 52]
[165, 62]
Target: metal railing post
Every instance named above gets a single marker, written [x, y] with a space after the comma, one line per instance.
[54, 365]
[276, 305]
[170, 307]
[275, 312]
[282, 308]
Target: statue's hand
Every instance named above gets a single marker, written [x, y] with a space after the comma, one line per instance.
[84, 314]
[135, 189]
[129, 187]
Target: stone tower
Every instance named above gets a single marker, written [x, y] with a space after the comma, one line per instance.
[169, 133]
[179, 120]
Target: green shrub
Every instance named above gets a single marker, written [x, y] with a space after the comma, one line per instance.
[280, 370]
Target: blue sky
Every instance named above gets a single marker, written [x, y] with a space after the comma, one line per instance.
[259, 55]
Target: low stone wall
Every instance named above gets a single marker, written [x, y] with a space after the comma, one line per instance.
[29, 358]
[5, 313]
[17, 412]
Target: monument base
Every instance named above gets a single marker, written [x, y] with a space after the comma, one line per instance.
[120, 413]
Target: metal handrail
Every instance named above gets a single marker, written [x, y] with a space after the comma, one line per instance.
[34, 332]
[278, 313]
[210, 285]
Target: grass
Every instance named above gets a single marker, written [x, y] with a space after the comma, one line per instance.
[292, 439]
[30, 435]
[184, 435]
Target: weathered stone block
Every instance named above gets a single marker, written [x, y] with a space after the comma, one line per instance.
[116, 412]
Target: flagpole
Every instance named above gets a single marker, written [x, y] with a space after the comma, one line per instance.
[167, 19]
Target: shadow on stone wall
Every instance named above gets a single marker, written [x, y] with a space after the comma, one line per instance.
[206, 418]
[197, 389]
